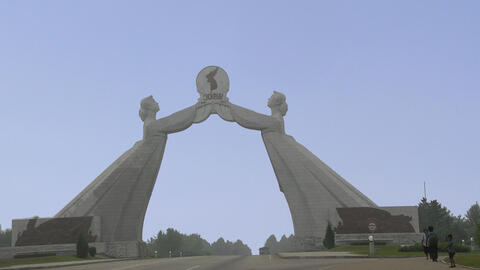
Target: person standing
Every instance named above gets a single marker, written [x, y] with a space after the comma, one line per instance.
[451, 250]
[425, 242]
[433, 243]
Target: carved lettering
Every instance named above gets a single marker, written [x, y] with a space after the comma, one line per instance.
[214, 96]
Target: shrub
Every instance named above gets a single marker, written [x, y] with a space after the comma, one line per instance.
[412, 248]
[92, 251]
[34, 254]
[329, 241]
[82, 247]
[366, 243]
[442, 246]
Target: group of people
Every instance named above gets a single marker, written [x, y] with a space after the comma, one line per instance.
[430, 245]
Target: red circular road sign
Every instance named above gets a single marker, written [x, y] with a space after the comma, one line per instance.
[372, 226]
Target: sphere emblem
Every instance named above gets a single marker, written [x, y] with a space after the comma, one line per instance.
[212, 83]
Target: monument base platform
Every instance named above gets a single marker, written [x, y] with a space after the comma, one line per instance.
[388, 238]
[309, 244]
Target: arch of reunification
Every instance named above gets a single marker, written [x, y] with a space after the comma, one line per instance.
[112, 208]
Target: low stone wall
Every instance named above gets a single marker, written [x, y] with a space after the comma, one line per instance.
[6, 252]
[389, 238]
[127, 249]
[63, 249]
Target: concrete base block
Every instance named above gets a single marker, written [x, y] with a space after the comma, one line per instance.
[389, 238]
[126, 249]
[309, 243]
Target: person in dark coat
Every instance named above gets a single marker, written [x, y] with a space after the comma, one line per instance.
[433, 243]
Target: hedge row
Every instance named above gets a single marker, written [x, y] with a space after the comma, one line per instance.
[442, 246]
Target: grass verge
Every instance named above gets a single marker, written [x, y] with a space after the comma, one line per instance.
[35, 260]
[381, 251]
[468, 259]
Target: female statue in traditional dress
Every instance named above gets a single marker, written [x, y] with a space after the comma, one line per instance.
[120, 194]
[312, 189]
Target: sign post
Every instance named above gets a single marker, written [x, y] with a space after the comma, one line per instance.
[372, 227]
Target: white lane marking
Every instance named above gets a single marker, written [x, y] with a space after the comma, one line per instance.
[137, 265]
[194, 267]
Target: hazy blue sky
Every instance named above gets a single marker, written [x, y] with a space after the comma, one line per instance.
[385, 92]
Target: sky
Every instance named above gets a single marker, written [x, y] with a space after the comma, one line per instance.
[387, 93]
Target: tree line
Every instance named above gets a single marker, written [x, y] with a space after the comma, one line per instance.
[5, 237]
[432, 213]
[285, 244]
[175, 244]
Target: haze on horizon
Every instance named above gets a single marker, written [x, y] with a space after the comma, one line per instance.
[386, 94]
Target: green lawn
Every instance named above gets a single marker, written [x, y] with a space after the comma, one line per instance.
[380, 250]
[35, 260]
[469, 259]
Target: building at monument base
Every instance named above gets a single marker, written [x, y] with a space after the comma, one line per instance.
[390, 225]
[58, 236]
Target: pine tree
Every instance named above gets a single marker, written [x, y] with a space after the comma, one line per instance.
[82, 247]
[219, 247]
[272, 244]
[283, 244]
[476, 235]
[5, 237]
[329, 241]
[473, 217]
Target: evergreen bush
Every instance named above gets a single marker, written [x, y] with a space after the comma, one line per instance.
[442, 246]
[329, 241]
[92, 251]
[82, 247]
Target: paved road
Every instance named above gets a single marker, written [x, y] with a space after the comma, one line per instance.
[264, 263]
[217, 263]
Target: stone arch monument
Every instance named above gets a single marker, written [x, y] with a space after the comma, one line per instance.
[113, 206]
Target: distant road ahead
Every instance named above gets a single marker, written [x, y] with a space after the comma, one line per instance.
[216, 263]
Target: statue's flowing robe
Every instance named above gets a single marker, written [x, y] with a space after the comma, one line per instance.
[120, 195]
[312, 189]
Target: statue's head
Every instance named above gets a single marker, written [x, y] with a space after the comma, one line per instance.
[148, 106]
[278, 102]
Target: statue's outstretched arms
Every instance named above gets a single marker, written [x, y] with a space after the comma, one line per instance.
[178, 121]
[250, 119]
